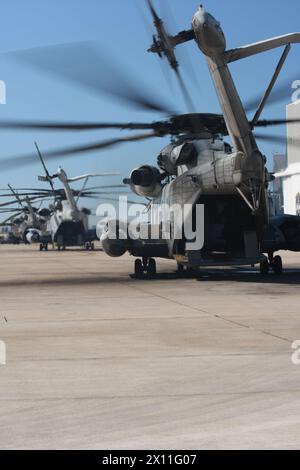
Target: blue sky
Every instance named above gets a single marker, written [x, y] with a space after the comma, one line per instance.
[117, 25]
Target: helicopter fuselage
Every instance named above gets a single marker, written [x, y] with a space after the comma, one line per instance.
[200, 172]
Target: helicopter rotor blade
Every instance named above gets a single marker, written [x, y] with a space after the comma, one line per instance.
[280, 93]
[164, 46]
[183, 58]
[49, 179]
[84, 64]
[7, 163]
[276, 122]
[278, 139]
[16, 196]
[27, 194]
[9, 203]
[70, 126]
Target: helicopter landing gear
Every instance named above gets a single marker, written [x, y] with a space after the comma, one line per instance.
[274, 263]
[144, 268]
[43, 246]
[61, 247]
[264, 267]
[90, 246]
[180, 269]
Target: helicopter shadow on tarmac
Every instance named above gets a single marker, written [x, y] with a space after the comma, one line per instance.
[242, 275]
[213, 275]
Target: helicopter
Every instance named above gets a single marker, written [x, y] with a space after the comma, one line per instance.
[198, 167]
[67, 224]
[28, 223]
[230, 182]
[33, 226]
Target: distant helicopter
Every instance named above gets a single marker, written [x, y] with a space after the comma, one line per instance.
[198, 166]
[33, 227]
[63, 223]
[28, 224]
[67, 224]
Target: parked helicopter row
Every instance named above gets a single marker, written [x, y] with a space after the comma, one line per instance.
[62, 224]
[199, 166]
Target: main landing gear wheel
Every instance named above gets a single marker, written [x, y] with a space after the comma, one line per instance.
[90, 246]
[264, 267]
[274, 263]
[138, 269]
[152, 267]
[144, 268]
[180, 269]
[44, 247]
[277, 265]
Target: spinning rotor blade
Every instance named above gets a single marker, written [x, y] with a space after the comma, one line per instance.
[7, 163]
[70, 126]
[16, 196]
[90, 175]
[278, 139]
[49, 179]
[276, 122]
[164, 46]
[104, 198]
[27, 189]
[10, 209]
[9, 203]
[95, 194]
[175, 125]
[281, 93]
[84, 64]
[41, 194]
[114, 186]
[26, 199]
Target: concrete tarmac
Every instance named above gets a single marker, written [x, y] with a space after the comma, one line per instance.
[96, 360]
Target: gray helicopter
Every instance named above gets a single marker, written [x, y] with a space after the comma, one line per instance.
[198, 167]
[27, 223]
[231, 183]
[68, 224]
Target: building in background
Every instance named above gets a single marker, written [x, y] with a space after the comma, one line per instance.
[291, 176]
[276, 204]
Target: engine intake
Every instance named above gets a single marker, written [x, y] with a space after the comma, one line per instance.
[146, 181]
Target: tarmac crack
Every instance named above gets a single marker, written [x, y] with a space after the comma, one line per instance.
[215, 315]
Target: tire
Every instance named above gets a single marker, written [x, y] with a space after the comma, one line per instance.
[264, 267]
[41, 247]
[277, 265]
[138, 269]
[152, 267]
[180, 269]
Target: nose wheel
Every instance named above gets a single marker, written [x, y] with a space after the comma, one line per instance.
[144, 268]
[89, 246]
[274, 263]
